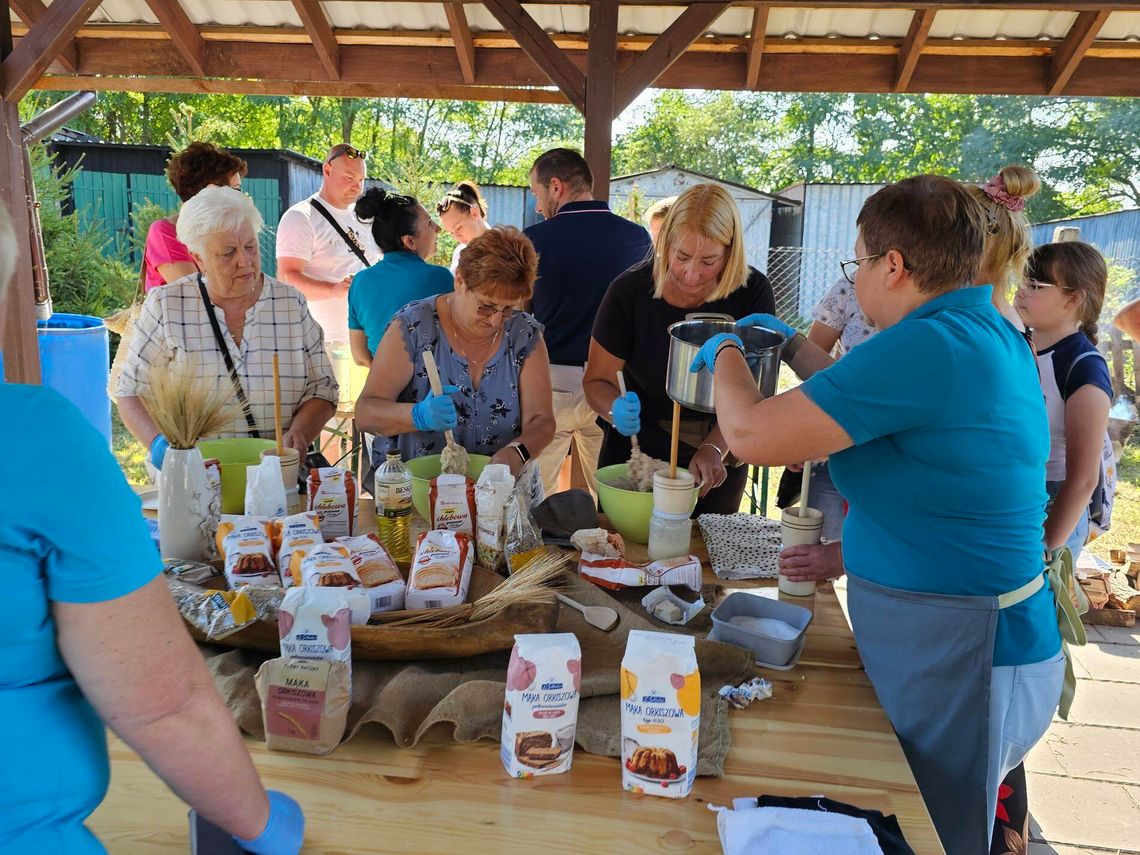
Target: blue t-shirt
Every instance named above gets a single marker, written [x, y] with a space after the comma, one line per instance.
[946, 479]
[72, 532]
[1065, 367]
[581, 250]
[379, 291]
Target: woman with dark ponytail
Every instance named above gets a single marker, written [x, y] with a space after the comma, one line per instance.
[406, 234]
[1061, 301]
[463, 212]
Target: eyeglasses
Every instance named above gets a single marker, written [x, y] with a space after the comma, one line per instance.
[850, 268]
[1035, 285]
[489, 310]
[348, 151]
[452, 198]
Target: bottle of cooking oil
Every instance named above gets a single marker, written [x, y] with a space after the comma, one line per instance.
[394, 508]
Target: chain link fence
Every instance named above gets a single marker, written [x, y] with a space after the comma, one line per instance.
[800, 277]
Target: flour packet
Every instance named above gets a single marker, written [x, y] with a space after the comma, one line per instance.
[332, 494]
[246, 546]
[452, 503]
[315, 623]
[378, 573]
[492, 491]
[441, 570]
[294, 536]
[660, 714]
[264, 491]
[304, 703]
[540, 712]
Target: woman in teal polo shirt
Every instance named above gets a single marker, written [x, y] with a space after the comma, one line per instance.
[406, 234]
[938, 438]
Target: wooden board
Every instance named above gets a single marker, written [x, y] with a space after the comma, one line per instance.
[419, 642]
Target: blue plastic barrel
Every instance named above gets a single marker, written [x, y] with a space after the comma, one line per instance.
[75, 360]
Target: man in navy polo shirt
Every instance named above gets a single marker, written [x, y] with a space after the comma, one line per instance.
[582, 247]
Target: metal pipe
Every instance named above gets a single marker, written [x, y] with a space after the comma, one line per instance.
[55, 116]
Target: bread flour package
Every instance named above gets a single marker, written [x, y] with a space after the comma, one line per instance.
[332, 494]
[292, 537]
[452, 501]
[315, 623]
[441, 570]
[377, 571]
[540, 712]
[660, 714]
[246, 546]
[304, 703]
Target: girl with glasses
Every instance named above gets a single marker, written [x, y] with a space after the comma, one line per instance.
[463, 213]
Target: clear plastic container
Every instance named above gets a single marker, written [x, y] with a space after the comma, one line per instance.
[669, 535]
[394, 508]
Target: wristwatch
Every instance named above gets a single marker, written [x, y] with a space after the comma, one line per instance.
[791, 348]
[524, 453]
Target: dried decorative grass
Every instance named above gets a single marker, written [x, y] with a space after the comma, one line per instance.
[187, 408]
[530, 585]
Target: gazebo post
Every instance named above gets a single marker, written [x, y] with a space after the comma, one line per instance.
[18, 312]
[601, 76]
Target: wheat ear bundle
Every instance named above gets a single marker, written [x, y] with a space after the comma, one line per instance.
[187, 408]
[529, 585]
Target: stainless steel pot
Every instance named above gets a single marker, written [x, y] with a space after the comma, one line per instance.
[695, 390]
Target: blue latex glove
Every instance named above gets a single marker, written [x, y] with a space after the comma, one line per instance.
[284, 831]
[626, 414]
[436, 412]
[706, 356]
[769, 322]
[158, 447]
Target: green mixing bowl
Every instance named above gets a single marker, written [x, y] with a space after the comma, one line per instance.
[234, 455]
[425, 468]
[628, 510]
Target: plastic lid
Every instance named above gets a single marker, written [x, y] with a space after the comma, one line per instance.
[667, 516]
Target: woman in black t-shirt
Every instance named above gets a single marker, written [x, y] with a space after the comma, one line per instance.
[699, 266]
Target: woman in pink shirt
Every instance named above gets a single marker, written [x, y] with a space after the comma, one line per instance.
[199, 165]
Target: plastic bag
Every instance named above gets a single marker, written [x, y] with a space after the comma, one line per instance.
[264, 490]
[523, 537]
[492, 492]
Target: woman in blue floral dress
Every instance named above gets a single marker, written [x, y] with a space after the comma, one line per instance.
[491, 356]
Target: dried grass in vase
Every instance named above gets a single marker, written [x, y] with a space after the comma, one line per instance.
[529, 585]
[187, 408]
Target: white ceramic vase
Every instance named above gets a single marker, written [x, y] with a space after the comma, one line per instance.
[183, 505]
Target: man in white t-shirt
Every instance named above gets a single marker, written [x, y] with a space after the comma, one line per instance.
[313, 256]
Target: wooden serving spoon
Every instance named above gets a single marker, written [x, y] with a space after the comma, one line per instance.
[602, 617]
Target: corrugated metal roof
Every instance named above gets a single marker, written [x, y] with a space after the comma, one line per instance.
[574, 18]
[1116, 235]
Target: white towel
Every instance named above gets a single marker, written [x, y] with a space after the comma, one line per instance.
[791, 831]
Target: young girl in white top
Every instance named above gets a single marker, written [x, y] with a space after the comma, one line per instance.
[1060, 301]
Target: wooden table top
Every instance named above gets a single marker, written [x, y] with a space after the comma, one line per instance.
[822, 733]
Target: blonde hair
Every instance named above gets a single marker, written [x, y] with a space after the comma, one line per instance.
[659, 209]
[710, 212]
[1008, 240]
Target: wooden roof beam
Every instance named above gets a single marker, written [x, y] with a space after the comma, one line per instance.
[1073, 49]
[536, 44]
[30, 11]
[666, 50]
[756, 47]
[912, 46]
[601, 76]
[53, 32]
[182, 32]
[461, 36]
[320, 31]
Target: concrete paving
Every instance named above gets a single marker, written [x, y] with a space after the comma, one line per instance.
[1084, 776]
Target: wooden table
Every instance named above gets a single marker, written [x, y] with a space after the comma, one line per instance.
[822, 732]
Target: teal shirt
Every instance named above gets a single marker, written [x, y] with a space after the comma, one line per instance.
[72, 532]
[381, 290]
[946, 479]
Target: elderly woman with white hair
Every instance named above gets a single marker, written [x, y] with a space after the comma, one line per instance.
[228, 322]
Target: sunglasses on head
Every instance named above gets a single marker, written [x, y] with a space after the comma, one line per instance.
[452, 198]
[348, 151]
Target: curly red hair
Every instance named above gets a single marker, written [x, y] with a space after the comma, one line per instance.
[199, 165]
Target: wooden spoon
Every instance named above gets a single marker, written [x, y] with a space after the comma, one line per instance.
[602, 617]
[457, 454]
